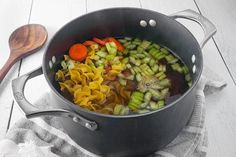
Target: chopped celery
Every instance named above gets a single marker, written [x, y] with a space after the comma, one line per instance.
[185, 69]
[145, 44]
[164, 92]
[111, 48]
[152, 62]
[131, 46]
[140, 49]
[101, 54]
[124, 111]
[126, 44]
[153, 105]
[144, 105]
[155, 93]
[122, 81]
[147, 96]
[187, 77]
[165, 51]
[160, 104]
[154, 68]
[165, 82]
[122, 41]
[159, 74]
[162, 76]
[140, 55]
[128, 66]
[146, 60]
[64, 65]
[110, 57]
[117, 109]
[128, 38]
[138, 77]
[156, 46]
[125, 60]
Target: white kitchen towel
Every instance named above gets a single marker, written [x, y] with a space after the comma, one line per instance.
[45, 137]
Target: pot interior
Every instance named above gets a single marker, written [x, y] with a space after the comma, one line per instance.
[124, 22]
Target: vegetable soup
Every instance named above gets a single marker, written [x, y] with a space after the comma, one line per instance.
[122, 76]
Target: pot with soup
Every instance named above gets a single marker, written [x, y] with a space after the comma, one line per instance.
[123, 87]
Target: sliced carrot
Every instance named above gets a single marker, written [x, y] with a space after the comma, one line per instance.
[78, 52]
[120, 47]
[99, 41]
[88, 43]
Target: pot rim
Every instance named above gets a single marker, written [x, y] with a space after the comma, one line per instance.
[72, 105]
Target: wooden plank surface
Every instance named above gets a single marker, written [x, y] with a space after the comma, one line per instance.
[12, 15]
[223, 15]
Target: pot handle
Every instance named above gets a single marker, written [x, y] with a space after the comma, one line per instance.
[207, 26]
[32, 111]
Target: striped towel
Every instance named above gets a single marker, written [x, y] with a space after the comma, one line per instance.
[45, 137]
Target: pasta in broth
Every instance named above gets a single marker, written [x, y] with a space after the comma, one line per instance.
[120, 76]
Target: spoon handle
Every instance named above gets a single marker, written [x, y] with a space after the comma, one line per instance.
[7, 66]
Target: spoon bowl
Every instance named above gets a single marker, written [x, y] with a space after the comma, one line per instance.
[24, 41]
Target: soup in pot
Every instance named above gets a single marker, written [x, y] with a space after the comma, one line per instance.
[122, 76]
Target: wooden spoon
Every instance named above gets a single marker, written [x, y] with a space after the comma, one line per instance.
[24, 41]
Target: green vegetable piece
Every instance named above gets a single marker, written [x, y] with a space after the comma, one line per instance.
[133, 106]
[111, 48]
[161, 56]
[155, 68]
[159, 74]
[160, 104]
[162, 76]
[131, 46]
[101, 54]
[165, 82]
[165, 51]
[152, 62]
[128, 38]
[145, 44]
[104, 49]
[70, 64]
[122, 41]
[63, 64]
[155, 93]
[146, 60]
[132, 60]
[140, 49]
[147, 97]
[117, 109]
[124, 111]
[156, 46]
[144, 105]
[110, 57]
[122, 81]
[164, 92]
[140, 55]
[137, 69]
[137, 94]
[187, 77]
[185, 69]
[138, 77]
[127, 44]
[153, 105]
[125, 60]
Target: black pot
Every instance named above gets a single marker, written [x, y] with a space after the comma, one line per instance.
[132, 135]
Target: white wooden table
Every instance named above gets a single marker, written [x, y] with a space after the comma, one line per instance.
[219, 54]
